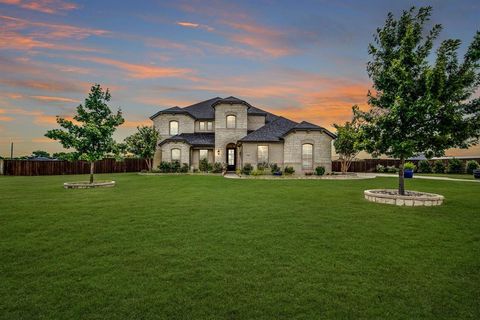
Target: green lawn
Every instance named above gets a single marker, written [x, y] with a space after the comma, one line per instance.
[448, 175]
[201, 247]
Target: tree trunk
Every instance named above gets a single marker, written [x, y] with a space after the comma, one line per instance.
[401, 179]
[92, 169]
[149, 164]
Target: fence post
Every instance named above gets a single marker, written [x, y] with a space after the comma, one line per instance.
[1, 167]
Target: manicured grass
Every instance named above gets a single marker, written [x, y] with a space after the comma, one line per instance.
[448, 175]
[201, 247]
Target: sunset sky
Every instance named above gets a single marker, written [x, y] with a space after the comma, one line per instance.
[304, 60]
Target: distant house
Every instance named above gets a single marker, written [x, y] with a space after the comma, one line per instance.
[233, 132]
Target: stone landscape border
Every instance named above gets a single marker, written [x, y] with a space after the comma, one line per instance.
[88, 185]
[412, 199]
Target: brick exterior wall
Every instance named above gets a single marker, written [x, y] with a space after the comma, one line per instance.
[184, 151]
[250, 150]
[255, 122]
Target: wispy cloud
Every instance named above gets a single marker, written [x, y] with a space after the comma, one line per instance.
[140, 71]
[53, 99]
[194, 25]
[25, 35]
[45, 6]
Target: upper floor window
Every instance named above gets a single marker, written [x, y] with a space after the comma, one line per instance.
[203, 154]
[307, 156]
[231, 122]
[262, 154]
[173, 128]
[175, 154]
[205, 125]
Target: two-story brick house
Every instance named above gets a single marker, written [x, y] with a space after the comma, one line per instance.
[233, 132]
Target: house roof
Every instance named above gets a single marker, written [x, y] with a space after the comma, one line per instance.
[205, 109]
[193, 139]
[271, 132]
[307, 126]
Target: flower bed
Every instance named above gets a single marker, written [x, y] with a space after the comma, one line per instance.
[411, 198]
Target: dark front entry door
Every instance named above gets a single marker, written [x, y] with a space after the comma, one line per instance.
[231, 159]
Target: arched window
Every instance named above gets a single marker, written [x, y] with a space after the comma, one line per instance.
[176, 153]
[307, 156]
[231, 122]
[173, 128]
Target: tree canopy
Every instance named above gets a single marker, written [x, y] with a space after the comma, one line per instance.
[348, 142]
[143, 143]
[419, 103]
[90, 134]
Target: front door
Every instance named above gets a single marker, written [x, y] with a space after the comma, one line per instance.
[231, 159]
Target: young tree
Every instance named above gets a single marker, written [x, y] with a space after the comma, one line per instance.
[92, 136]
[348, 142]
[40, 153]
[418, 106]
[143, 144]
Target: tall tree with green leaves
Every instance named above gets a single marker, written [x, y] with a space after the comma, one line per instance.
[143, 144]
[420, 103]
[91, 133]
[40, 154]
[348, 143]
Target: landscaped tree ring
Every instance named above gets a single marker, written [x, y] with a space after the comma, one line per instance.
[411, 198]
[87, 185]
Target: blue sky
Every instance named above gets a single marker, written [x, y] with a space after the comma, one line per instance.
[301, 59]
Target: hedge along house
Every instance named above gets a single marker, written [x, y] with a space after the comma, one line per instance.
[233, 132]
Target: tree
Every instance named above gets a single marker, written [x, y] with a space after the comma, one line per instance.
[66, 156]
[418, 106]
[143, 144]
[40, 154]
[348, 142]
[91, 134]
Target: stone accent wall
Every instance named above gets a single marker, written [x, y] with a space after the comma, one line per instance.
[255, 122]
[186, 124]
[275, 152]
[184, 151]
[224, 136]
[322, 150]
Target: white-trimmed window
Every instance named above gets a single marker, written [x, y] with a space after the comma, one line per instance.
[173, 128]
[176, 154]
[231, 122]
[307, 156]
[205, 126]
[262, 154]
[203, 154]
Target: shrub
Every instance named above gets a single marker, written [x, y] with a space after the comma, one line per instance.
[274, 168]
[247, 169]
[391, 169]
[143, 171]
[320, 171]
[289, 170]
[309, 173]
[409, 166]
[455, 166]
[185, 167]
[217, 167]
[258, 172]
[472, 165]
[262, 166]
[380, 168]
[424, 166]
[164, 166]
[175, 166]
[439, 166]
[204, 166]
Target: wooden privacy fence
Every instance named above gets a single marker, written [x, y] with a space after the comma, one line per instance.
[370, 165]
[54, 167]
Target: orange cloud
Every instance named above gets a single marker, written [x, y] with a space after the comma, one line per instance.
[6, 119]
[53, 99]
[45, 6]
[136, 123]
[140, 71]
[188, 24]
[42, 140]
